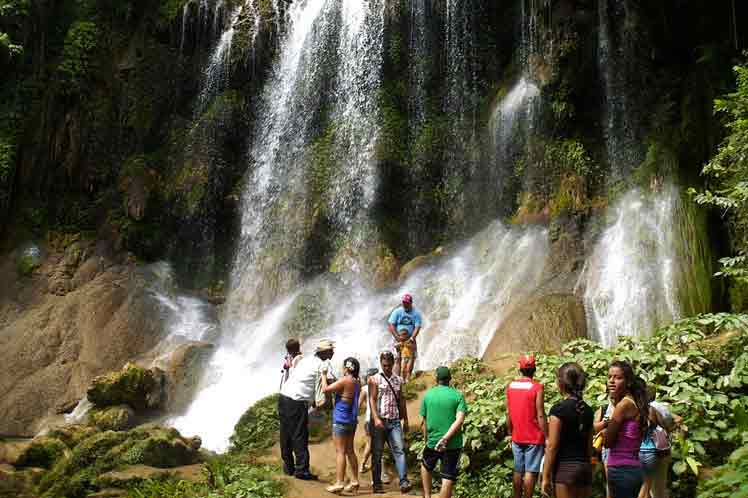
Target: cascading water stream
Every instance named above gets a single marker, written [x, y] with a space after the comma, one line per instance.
[321, 34]
[216, 73]
[645, 269]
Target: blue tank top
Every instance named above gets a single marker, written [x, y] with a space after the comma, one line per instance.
[344, 411]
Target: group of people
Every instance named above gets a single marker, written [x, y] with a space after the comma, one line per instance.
[628, 435]
[443, 411]
[306, 381]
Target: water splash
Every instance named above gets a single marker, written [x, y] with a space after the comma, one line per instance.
[641, 272]
[463, 298]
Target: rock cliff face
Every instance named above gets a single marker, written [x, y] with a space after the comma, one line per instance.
[73, 318]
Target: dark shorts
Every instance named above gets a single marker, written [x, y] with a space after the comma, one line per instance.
[574, 473]
[343, 429]
[450, 462]
[625, 481]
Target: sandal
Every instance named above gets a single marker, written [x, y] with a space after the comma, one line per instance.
[352, 487]
[336, 488]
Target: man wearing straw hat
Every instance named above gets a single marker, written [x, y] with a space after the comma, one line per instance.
[299, 392]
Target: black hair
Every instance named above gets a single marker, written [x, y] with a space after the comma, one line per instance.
[293, 347]
[572, 379]
[528, 372]
[386, 355]
[637, 387]
[352, 365]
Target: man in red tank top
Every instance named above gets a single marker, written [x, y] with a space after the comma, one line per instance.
[526, 423]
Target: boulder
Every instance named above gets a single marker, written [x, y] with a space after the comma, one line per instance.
[43, 452]
[133, 385]
[418, 262]
[11, 451]
[542, 323]
[52, 346]
[183, 370]
[71, 435]
[112, 418]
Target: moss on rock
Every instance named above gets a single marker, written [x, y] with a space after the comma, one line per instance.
[112, 418]
[131, 386]
[43, 452]
[258, 428]
[77, 474]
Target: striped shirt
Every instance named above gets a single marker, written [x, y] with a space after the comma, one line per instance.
[386, 400]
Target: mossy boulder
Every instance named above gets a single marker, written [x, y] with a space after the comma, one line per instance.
[133, 385]
[112, 418]
[160, 447]
[77, 473]
[258, 428]
[43, 452]
[71, 435]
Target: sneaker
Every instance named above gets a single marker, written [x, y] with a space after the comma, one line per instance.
[306, 476]
[405, 486]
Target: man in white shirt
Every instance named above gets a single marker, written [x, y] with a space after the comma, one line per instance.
[297, 393]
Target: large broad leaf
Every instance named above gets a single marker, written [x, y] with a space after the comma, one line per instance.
[693, 465]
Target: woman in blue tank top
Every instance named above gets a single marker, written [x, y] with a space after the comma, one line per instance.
[344, 419]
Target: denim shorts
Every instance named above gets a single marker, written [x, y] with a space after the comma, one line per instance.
[343, 429]
[624, 481]
[450, 462]
[527, 457]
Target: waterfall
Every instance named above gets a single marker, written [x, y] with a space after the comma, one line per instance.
[513, 118]
[419, 57]
[615, 28]
[330, 59]
[216, 73]
[647, 269]
[463, 297]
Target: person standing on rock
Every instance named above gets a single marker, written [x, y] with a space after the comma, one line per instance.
[527, 426]
[302, 388]
[443, 410]
[405, 318]
[388, 409]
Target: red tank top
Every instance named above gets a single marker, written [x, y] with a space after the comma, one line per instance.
[520, 395]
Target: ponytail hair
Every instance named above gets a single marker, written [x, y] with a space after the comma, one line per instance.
[637, 388]
[572, 379]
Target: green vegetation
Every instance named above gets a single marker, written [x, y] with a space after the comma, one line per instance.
[258, 428]
[78, 57]
[76, 472]
[225, 477]
[727, 177]
[697, 365]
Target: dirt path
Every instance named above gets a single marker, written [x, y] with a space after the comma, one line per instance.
[322, 455]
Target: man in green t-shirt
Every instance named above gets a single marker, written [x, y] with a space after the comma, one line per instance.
[443, 410]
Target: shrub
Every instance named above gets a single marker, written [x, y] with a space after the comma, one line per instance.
[258, 428]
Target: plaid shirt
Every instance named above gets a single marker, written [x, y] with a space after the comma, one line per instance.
[386, 400]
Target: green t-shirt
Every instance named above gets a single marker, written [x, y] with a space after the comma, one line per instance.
[439, 408]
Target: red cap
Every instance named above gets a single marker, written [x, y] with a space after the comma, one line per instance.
[527, 361]
[407, 298]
